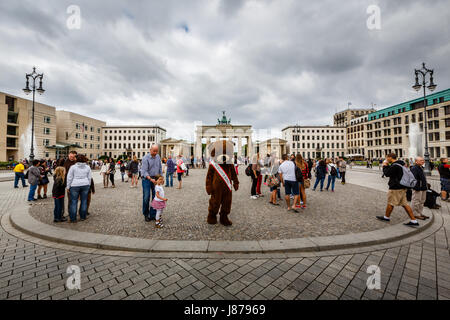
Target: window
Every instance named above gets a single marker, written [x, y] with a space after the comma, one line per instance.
[46, 142]
[447, 122]
[47, 119]
[47, 131]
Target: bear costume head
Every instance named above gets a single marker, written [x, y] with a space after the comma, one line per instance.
[222, 152]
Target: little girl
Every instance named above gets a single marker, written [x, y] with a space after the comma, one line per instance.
[58, 192]
[159, 203]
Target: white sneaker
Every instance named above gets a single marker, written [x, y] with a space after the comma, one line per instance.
[254, 197]
[301, 202]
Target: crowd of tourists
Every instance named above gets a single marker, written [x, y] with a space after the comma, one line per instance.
[73, 180]
[294, 174]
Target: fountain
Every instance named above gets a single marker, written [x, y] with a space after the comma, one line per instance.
[415, 141]
[25, 143]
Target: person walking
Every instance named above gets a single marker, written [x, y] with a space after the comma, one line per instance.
[19, 175]
[342, 165]
[151, 167]
[134, 170]
[332, 170]
[169, 171]
[321, 172]
[103, 172]
[255, 174]
[34, 175]
[419, 192]
[289, 181]
[392, 169]
[122, 170]
[58, 193]
[78, 183]
[111, 172]
[180, 171]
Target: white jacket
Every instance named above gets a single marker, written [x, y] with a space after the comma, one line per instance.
[104, 168]
[79, 175]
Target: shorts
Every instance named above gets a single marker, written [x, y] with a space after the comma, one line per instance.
[397, 198]
[179, 174]
[445, 184]
[291, 187]
[273, 188]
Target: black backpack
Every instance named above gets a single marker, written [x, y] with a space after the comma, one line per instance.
[248, 170]
[333, 171]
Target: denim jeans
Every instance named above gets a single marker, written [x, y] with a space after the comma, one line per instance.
[32, 191]
[169, 175]
[332, 180]
[59, 206]
[21, 176]
[148, 186]
[321, 180]
[75, 193]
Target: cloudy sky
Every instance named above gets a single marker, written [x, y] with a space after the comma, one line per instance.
[268, 63]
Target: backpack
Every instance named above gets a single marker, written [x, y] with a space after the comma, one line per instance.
[408, 180]
[248, 170]
[333, 171]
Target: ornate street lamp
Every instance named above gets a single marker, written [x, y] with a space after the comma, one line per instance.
[34, 76]
[431, 86]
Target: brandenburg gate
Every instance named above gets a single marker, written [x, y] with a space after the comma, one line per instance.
[224, 130]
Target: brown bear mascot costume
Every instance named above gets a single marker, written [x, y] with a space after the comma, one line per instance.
[220, 179]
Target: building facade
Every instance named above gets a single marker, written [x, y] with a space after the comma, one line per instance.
[356, 137]
[343, 118]
[400, 128]
[15, 129]
[80, 133]
[175, 147]
[316, 141]
[131, 140]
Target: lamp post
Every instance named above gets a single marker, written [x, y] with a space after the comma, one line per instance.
[431, 86]
[34, 76]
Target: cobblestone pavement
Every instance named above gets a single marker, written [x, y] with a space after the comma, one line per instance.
[415, 268]
[340, 212]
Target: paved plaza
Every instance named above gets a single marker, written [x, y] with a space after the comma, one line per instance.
[118, 211]
[416, 267]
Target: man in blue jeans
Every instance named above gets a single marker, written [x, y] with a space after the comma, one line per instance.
[151, 166]
[170, 170]
[34, 175]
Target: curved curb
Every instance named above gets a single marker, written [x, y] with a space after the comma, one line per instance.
[23, 221]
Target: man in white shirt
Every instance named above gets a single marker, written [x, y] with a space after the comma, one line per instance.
[289, 181]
